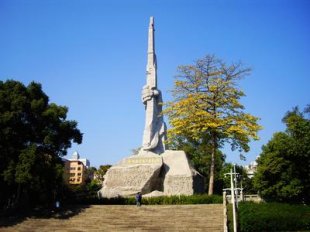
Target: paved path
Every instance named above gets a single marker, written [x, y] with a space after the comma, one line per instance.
[131, 218]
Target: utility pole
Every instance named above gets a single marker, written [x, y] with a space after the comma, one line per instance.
[241, 189]
[236, 185]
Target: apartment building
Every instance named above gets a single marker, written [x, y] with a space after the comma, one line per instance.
[75, 169]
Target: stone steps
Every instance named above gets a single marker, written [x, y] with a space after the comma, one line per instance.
[132, 218]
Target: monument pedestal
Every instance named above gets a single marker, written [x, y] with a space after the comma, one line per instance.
[167, 174]
[138, 173]
[180, 177]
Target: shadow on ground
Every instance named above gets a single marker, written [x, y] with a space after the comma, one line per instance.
[15, 217]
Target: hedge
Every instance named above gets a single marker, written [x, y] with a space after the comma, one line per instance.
[273, 217]
[163, 200]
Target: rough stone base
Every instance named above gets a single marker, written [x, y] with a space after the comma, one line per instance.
[180, 176]
[134, 174]
[167, 174]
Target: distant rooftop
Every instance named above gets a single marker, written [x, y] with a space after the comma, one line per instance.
[76, 156]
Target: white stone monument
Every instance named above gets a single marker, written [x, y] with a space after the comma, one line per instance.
[154, 171]
[155, 128]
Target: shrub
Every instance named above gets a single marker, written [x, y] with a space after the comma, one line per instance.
[163, 200]
[182, 199]
[230, 217]
[273, 217]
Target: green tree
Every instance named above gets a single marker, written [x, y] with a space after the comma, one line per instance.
[101, 172]
[89, 174]
[283, 166]
[34, 134]
[206, 107]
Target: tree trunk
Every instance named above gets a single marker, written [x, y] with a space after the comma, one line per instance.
[18, 195]
[211, 179]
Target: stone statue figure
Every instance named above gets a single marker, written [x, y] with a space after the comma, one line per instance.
[155, 128]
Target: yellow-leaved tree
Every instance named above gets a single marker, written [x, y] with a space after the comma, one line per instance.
[206, 106]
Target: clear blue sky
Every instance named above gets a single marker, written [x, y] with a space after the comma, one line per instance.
[91, 56]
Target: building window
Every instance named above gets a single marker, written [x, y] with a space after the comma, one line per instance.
[79, 174]
[72, 174]
[72, 168]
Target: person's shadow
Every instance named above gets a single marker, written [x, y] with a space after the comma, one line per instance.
[13, 217]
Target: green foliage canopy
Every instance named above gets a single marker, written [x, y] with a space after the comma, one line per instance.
[34, 134]
[99, 174]
[283, 166]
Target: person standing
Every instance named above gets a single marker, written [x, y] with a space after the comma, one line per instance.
[138, 199]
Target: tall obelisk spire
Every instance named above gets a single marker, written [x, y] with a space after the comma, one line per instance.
[151, 67]
[155, 129]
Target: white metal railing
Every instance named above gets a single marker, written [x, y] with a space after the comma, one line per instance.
[225, 211]
[252, 197]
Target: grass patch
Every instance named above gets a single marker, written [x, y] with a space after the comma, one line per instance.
[273, 217]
